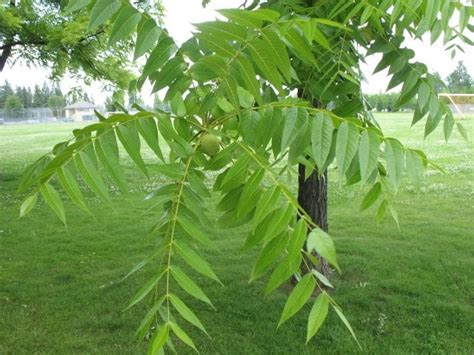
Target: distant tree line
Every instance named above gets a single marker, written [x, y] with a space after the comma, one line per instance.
[459, 81]
[15, 99]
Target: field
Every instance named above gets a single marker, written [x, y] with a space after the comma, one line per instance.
[407, 290]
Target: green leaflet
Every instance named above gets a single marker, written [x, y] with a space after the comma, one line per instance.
[395, 159]
[146, 322]
[130, 140]
[70, 186]
[186, 313]
[289, 128]
[159, 339]
[181, 334]
[346, 323]
[102, 11]
[265, 61]
[105, 150]
[148, 130]
[321, 139]
[189, 285]
[297, 238]
[194, 260]
[322, 243]
[74, 5]
[52, 198]
[28, 204]
[268, 256]
[125, 23]
[91, 176]
[298, 297]
[289, 266]
[369, 151]
[148, 34]
[194, 232]
[300, 46]
[251, 19]
[371, 196]
[275, 45]
[346, 146]
[318, 314]
[227, 31]
[249, 77]
[249, 198]
[159, 56]
[266, 204]
[173, 69]
[146, 289]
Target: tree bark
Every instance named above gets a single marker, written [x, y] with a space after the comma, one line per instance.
[7, 50]
[313, 197]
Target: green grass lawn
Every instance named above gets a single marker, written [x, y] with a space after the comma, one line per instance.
[404, 291]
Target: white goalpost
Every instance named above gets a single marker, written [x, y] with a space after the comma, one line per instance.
[463, 104]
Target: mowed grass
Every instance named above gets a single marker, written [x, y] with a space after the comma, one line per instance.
[404, 291]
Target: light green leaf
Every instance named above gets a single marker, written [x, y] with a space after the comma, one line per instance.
[148, 130]
[395, 158]
[269, 254]
[159, 339]
[186, 313]
[249, 77]
[278, 49]
[369, 151]
[181, 334]
[105, 152]
[130, 140]
[289, 128]
[322, 278]
[371, 196]
[322, 243]
[91, 176]
[321, 139]
[298, 297]
[462, 130]
[346, 323]
[148, 319]
[194, 260]
[288, 267]
[263, 57]
[346, 146]
[52, 198]
[159, 56]
[70, 186]
[266, 204]
[300, 46]
[249, 197]
[124, 24]
[194, 232]
[28, 204]
[102, 11]
[148, 34]
[317, 315]
[189, 285]
[74, 5]
[146, 289]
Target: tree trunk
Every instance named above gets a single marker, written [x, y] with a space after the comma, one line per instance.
[313, 197]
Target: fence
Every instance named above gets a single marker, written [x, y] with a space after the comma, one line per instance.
[31, 115]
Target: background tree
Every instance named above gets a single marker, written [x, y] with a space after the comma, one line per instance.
[232, 112]
[39, 33]
[5, 91]
[460, 81]
[57, 103]
[13, 106]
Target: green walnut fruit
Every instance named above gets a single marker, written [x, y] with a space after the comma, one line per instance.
[210, 144]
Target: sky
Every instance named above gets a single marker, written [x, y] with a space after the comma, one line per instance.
[181, 14]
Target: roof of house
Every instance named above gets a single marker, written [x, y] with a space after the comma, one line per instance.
[81, 104]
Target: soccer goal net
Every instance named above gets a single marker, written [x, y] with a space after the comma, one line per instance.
[460, 104]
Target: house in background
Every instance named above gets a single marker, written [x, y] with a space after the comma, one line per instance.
[80, 111]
